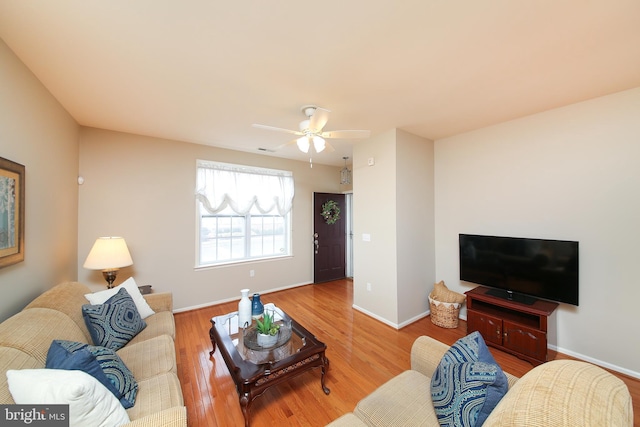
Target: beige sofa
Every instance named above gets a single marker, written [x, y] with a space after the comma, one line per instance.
[57, 315]
[557, 393]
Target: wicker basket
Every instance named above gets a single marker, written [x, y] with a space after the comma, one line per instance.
[444, 314]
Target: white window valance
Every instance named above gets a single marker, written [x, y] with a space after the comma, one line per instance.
[242, 187]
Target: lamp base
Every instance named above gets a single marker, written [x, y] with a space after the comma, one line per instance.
[109, 276]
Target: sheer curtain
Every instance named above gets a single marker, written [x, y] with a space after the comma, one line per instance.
[242, 187]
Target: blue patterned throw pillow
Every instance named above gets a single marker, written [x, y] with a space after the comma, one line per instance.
[101, 363]
[114, 323]
[467, 384]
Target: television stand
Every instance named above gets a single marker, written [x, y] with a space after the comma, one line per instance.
[512, 326]
[512, 296]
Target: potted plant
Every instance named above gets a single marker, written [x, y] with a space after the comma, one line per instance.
[267, 330]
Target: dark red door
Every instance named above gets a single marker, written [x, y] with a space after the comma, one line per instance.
[329, 239]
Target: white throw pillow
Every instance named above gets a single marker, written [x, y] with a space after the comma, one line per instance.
[90, 403]
[132, 288]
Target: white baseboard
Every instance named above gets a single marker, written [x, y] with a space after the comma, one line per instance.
[375, 316]
[388, 322]
[415, 319]
[598, 362]
[222, 301]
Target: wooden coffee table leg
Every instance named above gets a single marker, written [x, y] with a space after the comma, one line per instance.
[325, 366]
[213, 342]
[244, 405]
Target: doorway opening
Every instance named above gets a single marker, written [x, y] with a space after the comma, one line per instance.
[349, 235]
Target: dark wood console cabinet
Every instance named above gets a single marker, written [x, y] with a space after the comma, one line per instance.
[517, 328]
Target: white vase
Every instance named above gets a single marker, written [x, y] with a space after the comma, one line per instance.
[244, 309]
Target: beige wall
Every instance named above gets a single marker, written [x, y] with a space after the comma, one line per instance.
[374, 214]
[37, 132]
[142, 188]
[414, 225]
[570, 173]
[393, 204]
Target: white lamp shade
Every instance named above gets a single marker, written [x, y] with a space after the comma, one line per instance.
[303, 144]
[318, 143]
[108, 253]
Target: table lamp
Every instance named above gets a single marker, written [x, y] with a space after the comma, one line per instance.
[108, 254]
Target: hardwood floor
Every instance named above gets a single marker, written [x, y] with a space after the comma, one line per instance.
[363, 354]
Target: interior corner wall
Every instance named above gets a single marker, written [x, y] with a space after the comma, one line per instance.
[143, 188]
[374, 227]
[393, 207]
[39, 134]
[570, 173]
[415, 225]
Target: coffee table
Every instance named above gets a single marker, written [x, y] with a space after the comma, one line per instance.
[255, 369]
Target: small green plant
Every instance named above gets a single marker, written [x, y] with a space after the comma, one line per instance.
[267, 325]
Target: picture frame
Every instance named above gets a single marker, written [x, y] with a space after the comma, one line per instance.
[12, 196]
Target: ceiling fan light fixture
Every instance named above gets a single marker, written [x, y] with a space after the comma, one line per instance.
[311, 131]
[304, 125]
[319, 143]
[303, 144]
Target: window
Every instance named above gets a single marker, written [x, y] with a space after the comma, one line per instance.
[243, 213]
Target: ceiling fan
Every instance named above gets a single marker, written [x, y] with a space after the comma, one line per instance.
[310, 131]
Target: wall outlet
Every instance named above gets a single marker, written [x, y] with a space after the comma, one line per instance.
[369, 287]
[252, 273]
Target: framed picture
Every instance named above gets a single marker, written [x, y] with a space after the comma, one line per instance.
[11, 212]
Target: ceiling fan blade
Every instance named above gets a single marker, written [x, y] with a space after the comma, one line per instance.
[346, 134]
[286, 144]
[328, 148]
[294, 132]
[318, 120]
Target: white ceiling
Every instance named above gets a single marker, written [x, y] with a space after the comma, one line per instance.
[203, 71]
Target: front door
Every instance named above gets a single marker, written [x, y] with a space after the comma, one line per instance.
[329, 239]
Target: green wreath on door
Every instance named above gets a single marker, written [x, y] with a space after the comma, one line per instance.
[330, 212]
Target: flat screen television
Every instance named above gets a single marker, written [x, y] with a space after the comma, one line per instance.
[521, 269]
